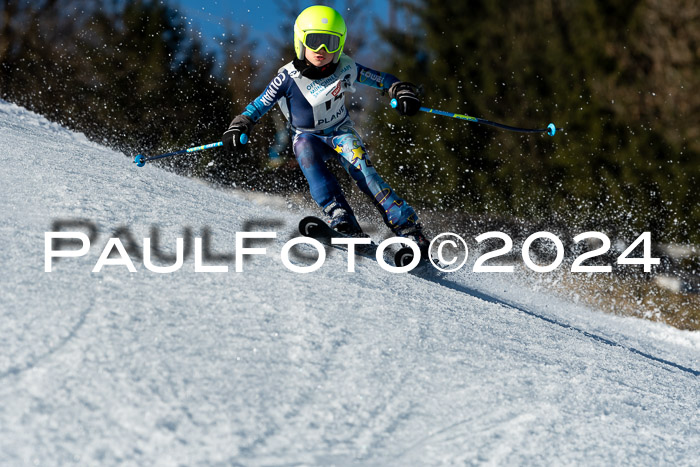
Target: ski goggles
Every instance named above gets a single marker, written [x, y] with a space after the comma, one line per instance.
[315, 40]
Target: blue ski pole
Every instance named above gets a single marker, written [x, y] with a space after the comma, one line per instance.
[141, 160]
[550, 130]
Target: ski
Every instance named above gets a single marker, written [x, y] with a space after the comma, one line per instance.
[314, 227]
[404, 256]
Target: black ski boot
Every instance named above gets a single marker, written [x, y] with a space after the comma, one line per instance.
[415, 233]
[342, 220]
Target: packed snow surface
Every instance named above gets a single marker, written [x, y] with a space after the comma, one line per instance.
[272, 367]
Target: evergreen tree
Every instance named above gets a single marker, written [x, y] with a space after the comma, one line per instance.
[610, 73]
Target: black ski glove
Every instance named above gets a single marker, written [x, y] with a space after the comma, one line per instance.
[241, 125]
[407, 97]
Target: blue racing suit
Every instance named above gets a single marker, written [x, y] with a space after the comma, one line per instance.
[323, 130]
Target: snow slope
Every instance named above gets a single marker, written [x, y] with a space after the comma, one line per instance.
[270, 367]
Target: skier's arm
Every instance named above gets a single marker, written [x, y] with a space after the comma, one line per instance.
[272, 93]
[374, 78]
[243, 124]
[406, 94]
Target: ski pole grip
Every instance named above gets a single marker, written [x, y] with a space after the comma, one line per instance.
[243, 138]
[394, 103]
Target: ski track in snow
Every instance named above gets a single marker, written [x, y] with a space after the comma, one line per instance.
[270, 367]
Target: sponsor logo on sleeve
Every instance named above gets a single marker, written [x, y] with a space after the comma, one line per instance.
[270, 95]
[372, 76]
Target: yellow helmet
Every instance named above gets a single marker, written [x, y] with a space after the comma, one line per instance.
[319, 27]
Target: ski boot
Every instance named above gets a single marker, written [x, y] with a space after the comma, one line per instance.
[415, 233]
[342, 220]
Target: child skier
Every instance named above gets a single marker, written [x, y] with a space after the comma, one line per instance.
[311, 93]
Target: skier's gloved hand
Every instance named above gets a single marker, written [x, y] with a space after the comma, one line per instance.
[241, 125]
[407, 96]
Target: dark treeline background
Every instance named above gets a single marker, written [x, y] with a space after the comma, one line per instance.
[622, 77]
[131, 75]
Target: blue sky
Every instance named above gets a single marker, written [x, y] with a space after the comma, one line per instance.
[262, 18]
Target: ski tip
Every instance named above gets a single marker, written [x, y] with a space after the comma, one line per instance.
[308, 225]
[551, 129]
[138, 160]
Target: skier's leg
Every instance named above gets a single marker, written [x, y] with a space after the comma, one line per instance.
[311, 153]
[397, 214]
